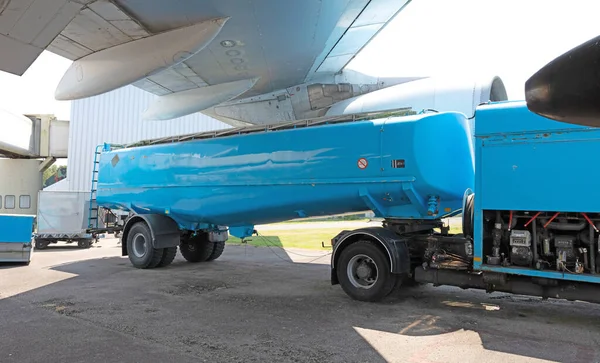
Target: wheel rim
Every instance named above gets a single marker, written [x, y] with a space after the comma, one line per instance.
[362, 272]
[139, 245]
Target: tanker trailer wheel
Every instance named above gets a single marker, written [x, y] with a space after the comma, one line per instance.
[197, 248]
[139, 247]
[168, 256]
[363, 271]
[217, 251]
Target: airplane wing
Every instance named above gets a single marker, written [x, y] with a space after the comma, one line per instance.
[277, 44]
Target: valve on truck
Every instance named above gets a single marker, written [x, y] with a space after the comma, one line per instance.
[495, 259]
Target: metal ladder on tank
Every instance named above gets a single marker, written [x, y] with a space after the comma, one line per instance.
[93, 208]
[94, 211]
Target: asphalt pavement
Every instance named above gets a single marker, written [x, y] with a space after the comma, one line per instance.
[259, 304]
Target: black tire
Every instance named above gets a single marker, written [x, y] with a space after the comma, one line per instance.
[375, 257]
[41, 244]
[139, 247]
[218, 249]
[197, 248]
[116, 234]
[84, 243]
[168, 256]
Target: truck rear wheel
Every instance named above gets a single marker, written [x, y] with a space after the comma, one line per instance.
[168, 256]
[217, 251]
[139, 247]
[197, 248]
[363, 271]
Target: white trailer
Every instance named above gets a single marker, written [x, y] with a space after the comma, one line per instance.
[63, 216]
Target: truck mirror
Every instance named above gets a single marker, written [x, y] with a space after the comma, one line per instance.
[568, 88]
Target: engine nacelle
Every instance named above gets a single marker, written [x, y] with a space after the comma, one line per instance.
[441, 94]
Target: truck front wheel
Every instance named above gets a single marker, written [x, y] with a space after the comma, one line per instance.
[139, 247]
[363, 271]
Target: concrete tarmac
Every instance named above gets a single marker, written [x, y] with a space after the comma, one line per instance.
[258, 304]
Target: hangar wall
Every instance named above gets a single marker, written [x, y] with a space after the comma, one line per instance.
[115, 117]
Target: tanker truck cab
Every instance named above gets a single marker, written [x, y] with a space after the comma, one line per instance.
[522, 233]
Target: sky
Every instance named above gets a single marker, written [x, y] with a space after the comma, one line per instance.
[508, 38]
[511, 39]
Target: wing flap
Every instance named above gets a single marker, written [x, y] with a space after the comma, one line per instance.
[28, 26]
[131, 28]
[62, 19]
[93, 32]
[108, 11]
[99, 26]
[152, 87]
[16, 56]
[38, 16]
[172, 80]
[68, 48]
[117, 17]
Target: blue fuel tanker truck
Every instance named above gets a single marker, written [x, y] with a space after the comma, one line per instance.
[524, 184]
[530, 215]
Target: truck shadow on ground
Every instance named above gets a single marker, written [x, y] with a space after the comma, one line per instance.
[254, 306]
[8, 265]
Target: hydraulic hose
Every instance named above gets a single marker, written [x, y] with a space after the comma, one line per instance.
[564, 226]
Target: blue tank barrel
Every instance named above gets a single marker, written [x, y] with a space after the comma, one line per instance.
[413, 167]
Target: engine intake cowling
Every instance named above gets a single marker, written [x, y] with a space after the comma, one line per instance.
[441, 94]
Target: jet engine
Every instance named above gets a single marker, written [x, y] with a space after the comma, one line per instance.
[332, 99]
[440, 94]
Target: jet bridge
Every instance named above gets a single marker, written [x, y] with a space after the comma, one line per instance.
[33, 137]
